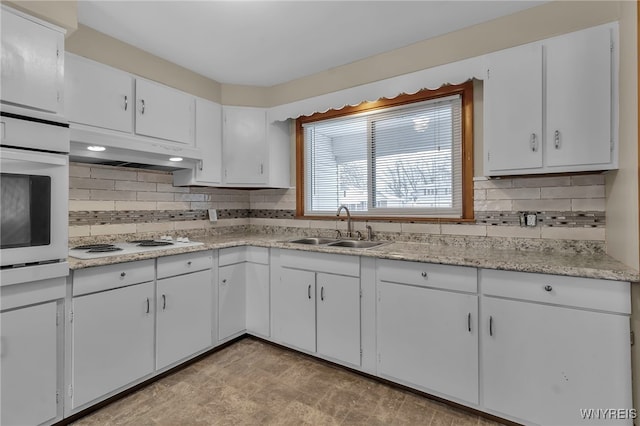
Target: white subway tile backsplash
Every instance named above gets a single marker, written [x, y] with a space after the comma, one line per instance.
[189, 197]
[100, 194]
[113, 173]
[588, 204]
[538, 182]
[136, 205]
[156, 226]
[513, 231]
[167, 187]
[590, 191]
[79, 231]
[83, 205]
[78, 170]
[471, 229]
[191, 224]
[588, 180]
[156, 177]
[493, 205]
[565, 233]
[126, 228]
[419, 228]
[88, 183]
[492, 183]
[513, 194]
[127, 185]
[155, 196]
[79, 194]
[542, 205]
[173, 205]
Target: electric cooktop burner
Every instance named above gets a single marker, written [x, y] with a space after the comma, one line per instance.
[155, 243]
[103, 249]
[93, 246]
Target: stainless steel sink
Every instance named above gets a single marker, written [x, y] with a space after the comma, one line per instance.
[356, 244]
[313, 241]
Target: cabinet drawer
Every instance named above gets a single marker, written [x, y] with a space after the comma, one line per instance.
[232, 255]
[577, 292]
[339, 264]
[184, 263]
[107, 277]
[460, 278]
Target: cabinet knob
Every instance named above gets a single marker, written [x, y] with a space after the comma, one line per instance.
[123, 274]
[548, 288]
[424, 275]
[189, 263]
[224, 281]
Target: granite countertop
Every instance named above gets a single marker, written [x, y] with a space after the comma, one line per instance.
[570, 264]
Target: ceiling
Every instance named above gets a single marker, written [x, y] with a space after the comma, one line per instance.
[264, 43]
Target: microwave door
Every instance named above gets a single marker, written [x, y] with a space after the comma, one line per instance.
[33, 206]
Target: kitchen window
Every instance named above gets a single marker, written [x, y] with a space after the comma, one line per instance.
[406, 157]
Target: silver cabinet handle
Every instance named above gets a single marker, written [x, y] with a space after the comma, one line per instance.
[425, 275]
[148, 307]
[126, 102]
[533, 142]
[261, 168]
[548, 288]
[309, 291]
[164, 302]
[490, 326]
[556, 139]
[142, 102]
[200, 165]
[469, 322]
[322, 293]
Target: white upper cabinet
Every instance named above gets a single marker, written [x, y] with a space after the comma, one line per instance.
[32, 62]
[164, 113]
[255, 150]
[209, 141]
[513, 109]
[98, 95]
[550, 106]
[245, 145]
[579, 98]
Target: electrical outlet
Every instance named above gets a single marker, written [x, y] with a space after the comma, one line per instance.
[213, 215]
[531, 219]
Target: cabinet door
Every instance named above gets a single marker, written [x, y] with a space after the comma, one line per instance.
[113, 340]
[231, 300]
[162, 112]
[32, 63]
[578, 82]
[209, 140]
[98, 95]
[29, 362]
[338, 317]
[244, 144]
[184, 316]
[293, 309]
[544, 363]
[513, 110]
[429, 338]
[257, 280]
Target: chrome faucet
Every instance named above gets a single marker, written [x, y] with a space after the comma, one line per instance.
[342, 206]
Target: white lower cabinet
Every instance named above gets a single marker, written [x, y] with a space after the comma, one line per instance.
[184, 313]
[231, 300]
[543, 363]
[29, 363]
[315, 310]
[113, 342]
[257, 298]
[428, 336]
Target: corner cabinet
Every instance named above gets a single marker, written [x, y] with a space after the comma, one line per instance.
[255, 151]
[566, 85]
[32, 62]
[552, 346]
[316, 304]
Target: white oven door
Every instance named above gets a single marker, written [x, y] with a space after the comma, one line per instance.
[34, 206]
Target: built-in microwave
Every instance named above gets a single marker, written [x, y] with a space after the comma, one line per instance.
[34, 190]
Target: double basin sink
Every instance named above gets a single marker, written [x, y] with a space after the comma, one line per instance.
[315, 241]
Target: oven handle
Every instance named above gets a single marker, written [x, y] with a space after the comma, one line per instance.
[33, 157]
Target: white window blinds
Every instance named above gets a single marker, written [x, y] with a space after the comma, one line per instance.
[398, 161]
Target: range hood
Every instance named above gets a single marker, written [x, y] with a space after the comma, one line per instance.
[128, 150]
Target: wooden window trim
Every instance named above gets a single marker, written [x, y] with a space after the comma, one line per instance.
[465, 90]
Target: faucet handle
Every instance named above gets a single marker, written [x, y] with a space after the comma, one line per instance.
[359, 235]
[338, 233]
[369, 232]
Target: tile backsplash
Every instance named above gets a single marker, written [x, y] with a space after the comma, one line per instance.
[115, 200]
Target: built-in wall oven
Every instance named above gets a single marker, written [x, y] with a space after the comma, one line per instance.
[34, 189]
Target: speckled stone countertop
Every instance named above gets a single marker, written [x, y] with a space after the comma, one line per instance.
[578, 265]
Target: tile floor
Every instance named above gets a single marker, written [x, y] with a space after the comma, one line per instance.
[254, 383]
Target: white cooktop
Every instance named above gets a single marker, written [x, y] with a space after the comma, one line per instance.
[129, 248]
